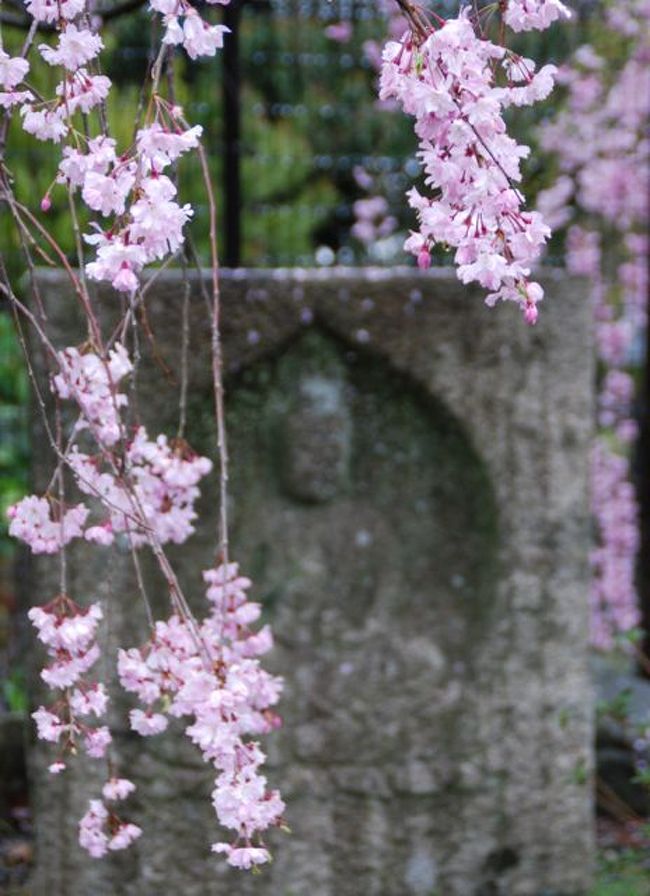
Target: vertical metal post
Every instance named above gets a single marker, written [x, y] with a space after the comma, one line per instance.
[232, 137]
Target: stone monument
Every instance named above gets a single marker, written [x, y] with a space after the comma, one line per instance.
[409, 495]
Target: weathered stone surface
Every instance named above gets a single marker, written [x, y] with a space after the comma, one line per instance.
[409, 495]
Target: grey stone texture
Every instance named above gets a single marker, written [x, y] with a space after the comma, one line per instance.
[409, 494]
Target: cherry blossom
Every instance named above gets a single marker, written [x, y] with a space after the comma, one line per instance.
[244, 857]
[147, 723]
[613, 607]
[107, 193]
[194, 34]
[44, 524]
[12, 70]
[69, 633]
[101, 830]
[91, 829]
[140, 488]
[92, 382]
[531, 15]
[76, 47]
[11, 98]
[49, 726]
[118, 261]
[372, 220]
[341, 32]
[53, 10]
[447, 84]
[117, 789]
[124, 836]
[161, 146]
[129, 187]
[226, 701]
[83, 91]
[600, 138]
[158, 221]
[75, 164]
[65, 627]
[164, 479]
[89, 700]
[44, 124]
[96, 740]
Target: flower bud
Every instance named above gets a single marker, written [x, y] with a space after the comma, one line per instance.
[424, 259]
[531, 314]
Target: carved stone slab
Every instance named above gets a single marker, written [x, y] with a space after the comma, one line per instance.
[408, 489]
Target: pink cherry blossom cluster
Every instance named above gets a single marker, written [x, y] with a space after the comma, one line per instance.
[12, 73]
[373, 224]
[76, 47]
[448, 82]
[134, 189]
[162, 476]
[533, 15]
[213, 676]
[164, 479]
[44, 524]
[600, 139]
[92, 383]
[101, 829]
[216, 680]
[613, 605]
[396, 24]
[184, 26]
[128, 187]
[372, 220]
[69, 634]
[210, 672]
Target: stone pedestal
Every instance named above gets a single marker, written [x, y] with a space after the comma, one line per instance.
[409, 494]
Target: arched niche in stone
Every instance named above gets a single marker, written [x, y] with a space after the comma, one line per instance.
[369, 525]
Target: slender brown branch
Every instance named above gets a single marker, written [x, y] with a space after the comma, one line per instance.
[18, 210]
[420, 27]
[217, 357]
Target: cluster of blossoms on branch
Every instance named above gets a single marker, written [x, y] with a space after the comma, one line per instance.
[69, 633]
[164, 481]
[208, 672]
[44, 524]
[533, 15]
[138, 489]
[600, 138]
[456, 84]
[128, 187]
[163, 475]
[226, 699]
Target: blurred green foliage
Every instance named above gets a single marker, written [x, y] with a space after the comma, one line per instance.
[623, 874]
[14, 693]
[13, 425]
